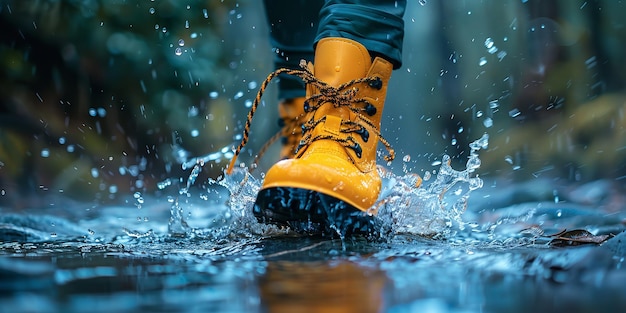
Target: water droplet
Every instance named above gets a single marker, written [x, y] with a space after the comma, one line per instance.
[479, 113]
[238, 95]
[406, 158]
[94, 173]
[163, 184]
[591, 62]
[508, 159]
[514, 113]
[213, 94]
[482, 61]
[151, 10]
[488, 122]
[489, 43]
[501, 55]
[193, 111]
[252, 85]
[45, 153]
[181, 42]
[422, 2]
[178, 51]
[555, 193]
[195, 133]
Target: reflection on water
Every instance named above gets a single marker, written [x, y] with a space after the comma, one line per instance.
[341, 286]
[111, 282]
[287, 274]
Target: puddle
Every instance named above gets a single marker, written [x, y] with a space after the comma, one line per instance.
[200, 249]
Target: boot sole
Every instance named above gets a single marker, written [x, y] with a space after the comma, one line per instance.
[313, 213]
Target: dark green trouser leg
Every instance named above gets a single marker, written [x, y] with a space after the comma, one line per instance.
[376, 24]
[296, 24]
[293, 26]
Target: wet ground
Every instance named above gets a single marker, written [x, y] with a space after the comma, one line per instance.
[205, 255]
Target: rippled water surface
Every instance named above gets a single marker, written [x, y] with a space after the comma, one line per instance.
[456, 244]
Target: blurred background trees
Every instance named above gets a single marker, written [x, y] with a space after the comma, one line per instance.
[103, 98]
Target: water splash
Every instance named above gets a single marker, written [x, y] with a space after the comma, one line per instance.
[430, 210]
[177, 226]
[227, 201]
[403, 206]
[224, 153]
[243, 188]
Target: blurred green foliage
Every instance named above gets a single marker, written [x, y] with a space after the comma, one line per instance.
[98, 96]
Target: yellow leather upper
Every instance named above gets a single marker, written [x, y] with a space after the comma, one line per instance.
[326, 165]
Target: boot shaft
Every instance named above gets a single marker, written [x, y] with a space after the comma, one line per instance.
[339, 61]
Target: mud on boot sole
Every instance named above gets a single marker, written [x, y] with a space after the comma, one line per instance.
[310, 212]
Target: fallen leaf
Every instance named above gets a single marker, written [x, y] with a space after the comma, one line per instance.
[576, 237]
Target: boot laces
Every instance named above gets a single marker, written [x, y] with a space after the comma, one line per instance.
[342, 96]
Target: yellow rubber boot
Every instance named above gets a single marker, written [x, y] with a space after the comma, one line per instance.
[291, 117]
[332, 182]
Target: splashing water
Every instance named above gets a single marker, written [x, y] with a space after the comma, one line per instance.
[404, 207]
[433, 209]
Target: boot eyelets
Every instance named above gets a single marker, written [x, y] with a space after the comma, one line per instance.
[365, 135]
[376, 83]
[357, 149]
[370, 109]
